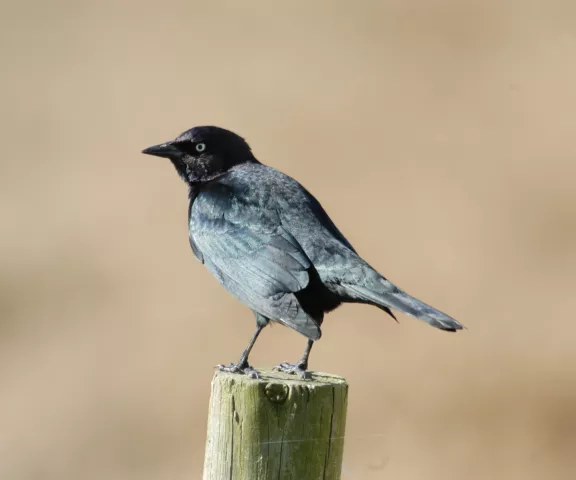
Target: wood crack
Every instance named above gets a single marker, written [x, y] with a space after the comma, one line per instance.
[330, 433]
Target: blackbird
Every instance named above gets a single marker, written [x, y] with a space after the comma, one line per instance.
[270, 243]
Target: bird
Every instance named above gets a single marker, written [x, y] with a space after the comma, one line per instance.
[271, 244]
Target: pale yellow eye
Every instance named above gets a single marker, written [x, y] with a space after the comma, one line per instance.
[200, 147]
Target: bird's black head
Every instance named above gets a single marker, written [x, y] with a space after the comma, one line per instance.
[203, 153]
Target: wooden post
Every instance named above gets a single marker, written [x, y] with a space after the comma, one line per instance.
[277, 427]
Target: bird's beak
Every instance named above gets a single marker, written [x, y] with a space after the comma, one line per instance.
[167, 150]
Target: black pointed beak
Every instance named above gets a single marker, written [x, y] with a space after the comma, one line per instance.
[166, 150]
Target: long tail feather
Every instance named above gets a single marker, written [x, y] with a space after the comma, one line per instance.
[393, 297]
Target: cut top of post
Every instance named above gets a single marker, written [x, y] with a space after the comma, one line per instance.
[277, 426]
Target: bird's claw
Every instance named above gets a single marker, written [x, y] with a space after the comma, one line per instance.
[297, 369]
[245, 369]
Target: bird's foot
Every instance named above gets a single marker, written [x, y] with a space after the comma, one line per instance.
[297, 369]
[241, 368]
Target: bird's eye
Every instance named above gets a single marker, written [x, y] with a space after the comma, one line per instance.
[200, 147]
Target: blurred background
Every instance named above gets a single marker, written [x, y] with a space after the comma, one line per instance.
[439, 135]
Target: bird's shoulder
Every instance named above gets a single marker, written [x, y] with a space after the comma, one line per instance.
[297, 209]
[262, 182]
[245, 197]
[251, 184]
[258, 197]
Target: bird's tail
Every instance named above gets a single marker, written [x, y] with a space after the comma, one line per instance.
[389, 296]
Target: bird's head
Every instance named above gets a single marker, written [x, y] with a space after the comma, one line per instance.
[203, 153]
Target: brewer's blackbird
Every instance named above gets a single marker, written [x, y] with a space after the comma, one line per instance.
[270, 243]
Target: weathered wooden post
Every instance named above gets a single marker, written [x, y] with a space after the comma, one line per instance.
[277, 427]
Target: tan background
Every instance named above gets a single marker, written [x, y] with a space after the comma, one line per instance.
[440, 135]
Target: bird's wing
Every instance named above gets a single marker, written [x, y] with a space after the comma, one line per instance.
[257, 260]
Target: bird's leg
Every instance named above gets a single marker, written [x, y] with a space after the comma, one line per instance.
[300, 367]
[243, 366]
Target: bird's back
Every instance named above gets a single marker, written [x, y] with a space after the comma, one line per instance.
[297, 209]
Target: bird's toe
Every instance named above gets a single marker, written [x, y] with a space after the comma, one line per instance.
[293, 369]
[244, 369]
